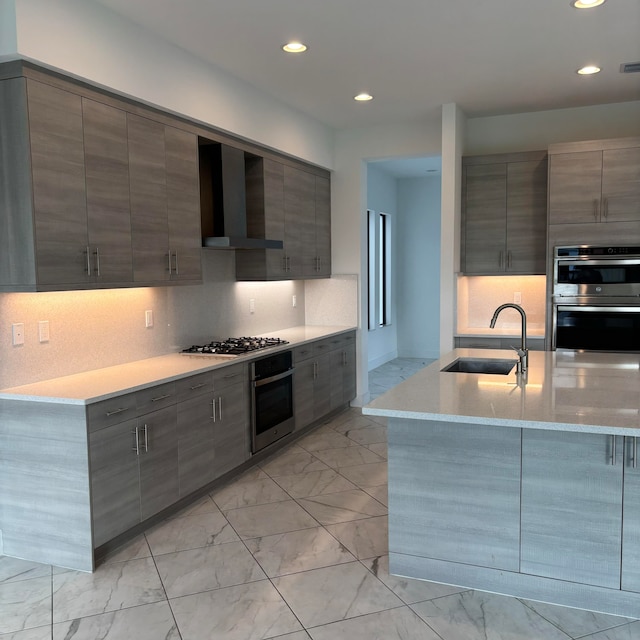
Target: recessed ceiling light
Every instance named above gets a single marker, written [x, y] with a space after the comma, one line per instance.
[588, 70]
[294, 47]
[586, 4]
[363, 97]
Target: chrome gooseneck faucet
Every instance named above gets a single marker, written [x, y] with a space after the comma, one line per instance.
[523, 352]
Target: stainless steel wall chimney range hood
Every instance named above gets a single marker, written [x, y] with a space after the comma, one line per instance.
[223, 199]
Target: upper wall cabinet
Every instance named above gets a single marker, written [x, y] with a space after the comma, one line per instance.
[594, 182]
[93, 196]
[504, 213]
[293, 205]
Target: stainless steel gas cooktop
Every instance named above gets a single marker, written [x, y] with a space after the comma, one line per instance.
[233, 346]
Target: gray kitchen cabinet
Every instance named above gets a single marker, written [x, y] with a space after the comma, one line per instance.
[115, 483]
[469, 502]
[106, 159]
[343, 370]
[303, 383]
[594, 182]
[572, 506]
[289, 204]
[630, 580]
[196, 450]
[534, 343]
[504, 213]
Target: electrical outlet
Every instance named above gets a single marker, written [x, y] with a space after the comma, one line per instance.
[517, 297]
[252, 305]
[148, 318]
[294, 301]
[43, 331]
[17, 333]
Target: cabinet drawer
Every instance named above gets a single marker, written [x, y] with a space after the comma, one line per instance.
[322, 346]
[156, 397]
[228, 375]
[194, 385]
[112, 411]
[302, 353]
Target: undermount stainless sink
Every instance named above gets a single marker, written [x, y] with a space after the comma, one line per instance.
[498, 366]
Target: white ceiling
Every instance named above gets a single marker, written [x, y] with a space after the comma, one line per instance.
[490, 57]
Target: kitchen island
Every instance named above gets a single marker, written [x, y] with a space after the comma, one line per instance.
[519, 484]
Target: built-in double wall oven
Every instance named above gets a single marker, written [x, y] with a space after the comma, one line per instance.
[596, 298]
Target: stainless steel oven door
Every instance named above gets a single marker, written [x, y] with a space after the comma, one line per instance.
[596, 327]
[271, 409]
[601, 277]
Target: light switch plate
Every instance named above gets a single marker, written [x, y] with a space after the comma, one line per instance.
[148, 318]
[17, 333]
[252, 305]
[43, 331]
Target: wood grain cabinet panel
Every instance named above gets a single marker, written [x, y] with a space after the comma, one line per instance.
[631, 517]
[106, 158]
[322, 263]
[621, 185]
[505, 214]
[299, 225]
[572, 506]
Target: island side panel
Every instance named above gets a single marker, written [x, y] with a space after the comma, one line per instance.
[454, 492]
[45, 505]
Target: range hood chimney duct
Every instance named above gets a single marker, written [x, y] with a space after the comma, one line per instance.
[223, 200]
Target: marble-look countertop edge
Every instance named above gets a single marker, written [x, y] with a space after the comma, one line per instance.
[175, 369]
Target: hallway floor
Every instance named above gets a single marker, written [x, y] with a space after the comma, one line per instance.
[293, 549]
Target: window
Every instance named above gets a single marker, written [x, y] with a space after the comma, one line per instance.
[379, 269]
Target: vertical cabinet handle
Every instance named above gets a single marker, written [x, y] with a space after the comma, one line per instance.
[146, 438]
[500, 259]
[595, 210]
[509, 261]
[220, 408]
[605, 207]
[315, 370]
[136, 441]
[213, 409]
[613, 450]
[96, 253]
[170, 266]
[176, 271]
[88, 254]
[635, 453]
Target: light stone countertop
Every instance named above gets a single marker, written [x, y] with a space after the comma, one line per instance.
[563, 390]
[101, 384]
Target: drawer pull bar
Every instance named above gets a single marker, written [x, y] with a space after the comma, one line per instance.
[164, 397]
[116, 411]
[231, 375]
[197, 386]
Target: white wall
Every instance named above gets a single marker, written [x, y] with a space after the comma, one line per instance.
[382, 198]
[532, 131]
[89, 41]
[8, 32]
[418, 267]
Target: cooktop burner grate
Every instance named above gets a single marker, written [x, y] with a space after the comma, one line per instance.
[234, 346]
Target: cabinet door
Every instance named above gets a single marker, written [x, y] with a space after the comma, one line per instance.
[454, 490]
[115, 486]
[571, 507]
[230, 428]
[485, 210]
[631, 518]
[59, 194]
[303, 382]
[183, 204]
[299, 215]
[274, 217]
[621, 185]
[158, 460]
[322, 386]
[526, 217]
[349, 371]
[149, 224]
[195, 443]
[323, 227]
[106, 158]
[575, 185]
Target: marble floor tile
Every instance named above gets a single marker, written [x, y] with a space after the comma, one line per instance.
[576, 622]
[347, 456]
[297, 635]
[195, 570]
[132, 550]
[146, 622]
[394, 624]
[364, 538]
[408, 590]
[475, 615]
[25, 604]
[13, 569]
[370, 435]
[112, 587]
[203, 505]
[380, 493]
[331, 508]
[298, 551]
[314, 483]
[334, 593]
[269, 519]
[373, 474]
[625, 632]
[249, 493]
[294, 460]
[355, 422]
[249, 612]
[325, 439]
[255, 473]
[39, 633]
[179, 534]
[345, 416]
[379, 448]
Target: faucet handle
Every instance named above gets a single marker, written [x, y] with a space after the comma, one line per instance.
[520, 352]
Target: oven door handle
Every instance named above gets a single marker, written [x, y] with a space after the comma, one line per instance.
[600, 308]
[279, 376]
